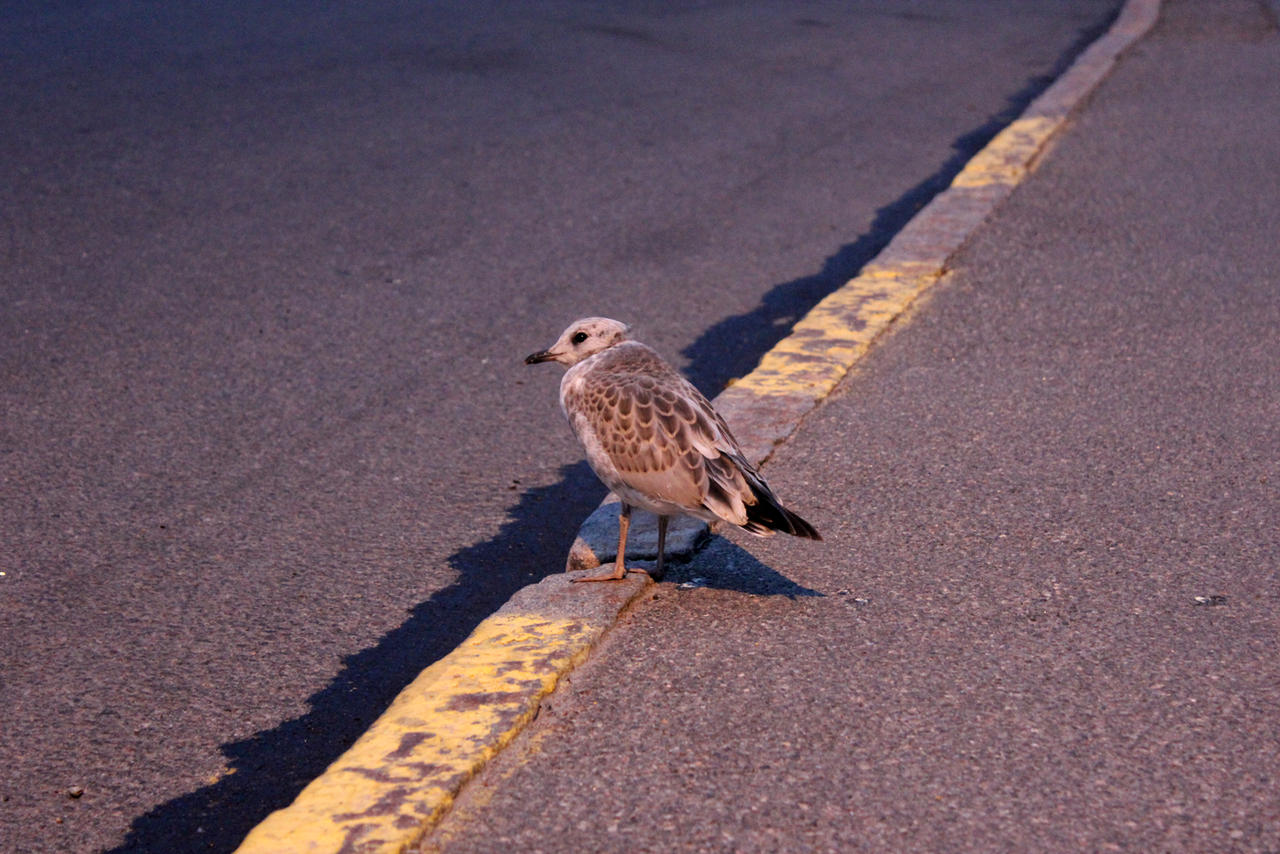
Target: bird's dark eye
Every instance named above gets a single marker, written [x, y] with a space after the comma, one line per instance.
[578, 337]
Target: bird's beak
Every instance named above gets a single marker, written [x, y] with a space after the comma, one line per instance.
[541, 356]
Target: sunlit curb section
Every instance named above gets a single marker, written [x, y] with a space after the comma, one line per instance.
[400, 777]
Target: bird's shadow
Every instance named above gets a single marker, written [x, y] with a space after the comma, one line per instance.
[269, 769]
[723, 565]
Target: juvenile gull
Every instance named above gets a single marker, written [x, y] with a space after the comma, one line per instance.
[655, 441]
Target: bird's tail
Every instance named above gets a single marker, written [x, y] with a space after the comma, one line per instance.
[767, 514]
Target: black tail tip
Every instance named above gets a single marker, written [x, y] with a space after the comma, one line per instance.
[766, 514]
[801, 528]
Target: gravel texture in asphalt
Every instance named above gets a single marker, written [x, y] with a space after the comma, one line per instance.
[267, 446]
[1046, 615]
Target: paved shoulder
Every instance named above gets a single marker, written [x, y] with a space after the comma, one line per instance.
[1047, 617]
[403, 791]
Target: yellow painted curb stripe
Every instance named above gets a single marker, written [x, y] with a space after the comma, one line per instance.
[389, 788]
[1007, 157]
[824, 345]
[400, 777]
[835, 334]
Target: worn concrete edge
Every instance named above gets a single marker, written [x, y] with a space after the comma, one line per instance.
[397, 781]
[765, 407]
[398, 778]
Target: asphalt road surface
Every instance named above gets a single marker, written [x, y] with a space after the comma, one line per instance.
[268, 273]
[1046, 616]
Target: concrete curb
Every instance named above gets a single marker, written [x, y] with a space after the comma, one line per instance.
[766, 406]
[397, 781]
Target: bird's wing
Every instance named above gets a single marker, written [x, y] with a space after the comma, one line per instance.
[665, 441]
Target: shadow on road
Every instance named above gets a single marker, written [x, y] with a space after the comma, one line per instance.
[272, 767]
[725, 566]
[733, 347]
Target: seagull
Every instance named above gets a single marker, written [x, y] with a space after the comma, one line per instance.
[655, 441]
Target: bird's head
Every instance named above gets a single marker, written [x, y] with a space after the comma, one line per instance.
[582, 339]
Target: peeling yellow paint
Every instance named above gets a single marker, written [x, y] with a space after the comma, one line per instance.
[221, 774]
[383, 793]
[1006, 157]
[824, 345]
[838, 331]
[442, 835]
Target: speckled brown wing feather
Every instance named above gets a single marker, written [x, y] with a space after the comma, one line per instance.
[662, 435]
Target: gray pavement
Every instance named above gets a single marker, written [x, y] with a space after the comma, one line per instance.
[1047, 613]
[266, 277]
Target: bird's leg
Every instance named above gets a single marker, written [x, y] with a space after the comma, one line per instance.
[662, 544]
[619, 565]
